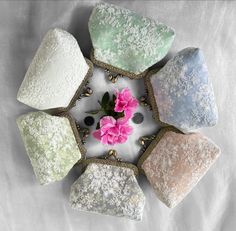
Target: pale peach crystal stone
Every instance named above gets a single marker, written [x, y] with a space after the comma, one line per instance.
[177, 162]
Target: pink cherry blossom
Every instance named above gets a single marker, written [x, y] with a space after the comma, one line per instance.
[112, 131]
[126, 103]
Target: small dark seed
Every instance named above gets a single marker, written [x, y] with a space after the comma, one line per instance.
[138, 118]
[89, 120]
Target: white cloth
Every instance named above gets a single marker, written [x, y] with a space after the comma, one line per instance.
[25, 205]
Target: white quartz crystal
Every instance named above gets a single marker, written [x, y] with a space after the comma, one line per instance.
[55, 73]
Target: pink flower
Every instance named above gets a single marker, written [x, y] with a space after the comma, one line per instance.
[126, 103]
[112, 131]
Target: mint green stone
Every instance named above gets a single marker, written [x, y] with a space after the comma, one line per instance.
[50, 144]
[127, 41]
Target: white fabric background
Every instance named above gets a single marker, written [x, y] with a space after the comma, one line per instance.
[25, 205]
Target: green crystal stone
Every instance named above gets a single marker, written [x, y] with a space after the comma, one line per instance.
[126, 40]
[50, 144]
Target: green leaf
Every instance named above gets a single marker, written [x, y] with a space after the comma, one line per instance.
[100, 103]
[105, 99]
[113, 98]
[98, 126]
[120, 114]
[93, 112]
[112, 105]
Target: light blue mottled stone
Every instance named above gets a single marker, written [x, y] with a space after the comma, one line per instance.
[127, 41]
[184, 93]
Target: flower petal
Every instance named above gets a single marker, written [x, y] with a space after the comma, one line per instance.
[126, 130]
[97, 134]
[104, 139]
[133, 103]
[107, 120]
[122, 139]
[126, 94]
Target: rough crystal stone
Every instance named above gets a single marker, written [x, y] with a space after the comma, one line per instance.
[55, 73]
[176, 164]
[127, 41]
[108, 190]
[50, 144]
[183, 92]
